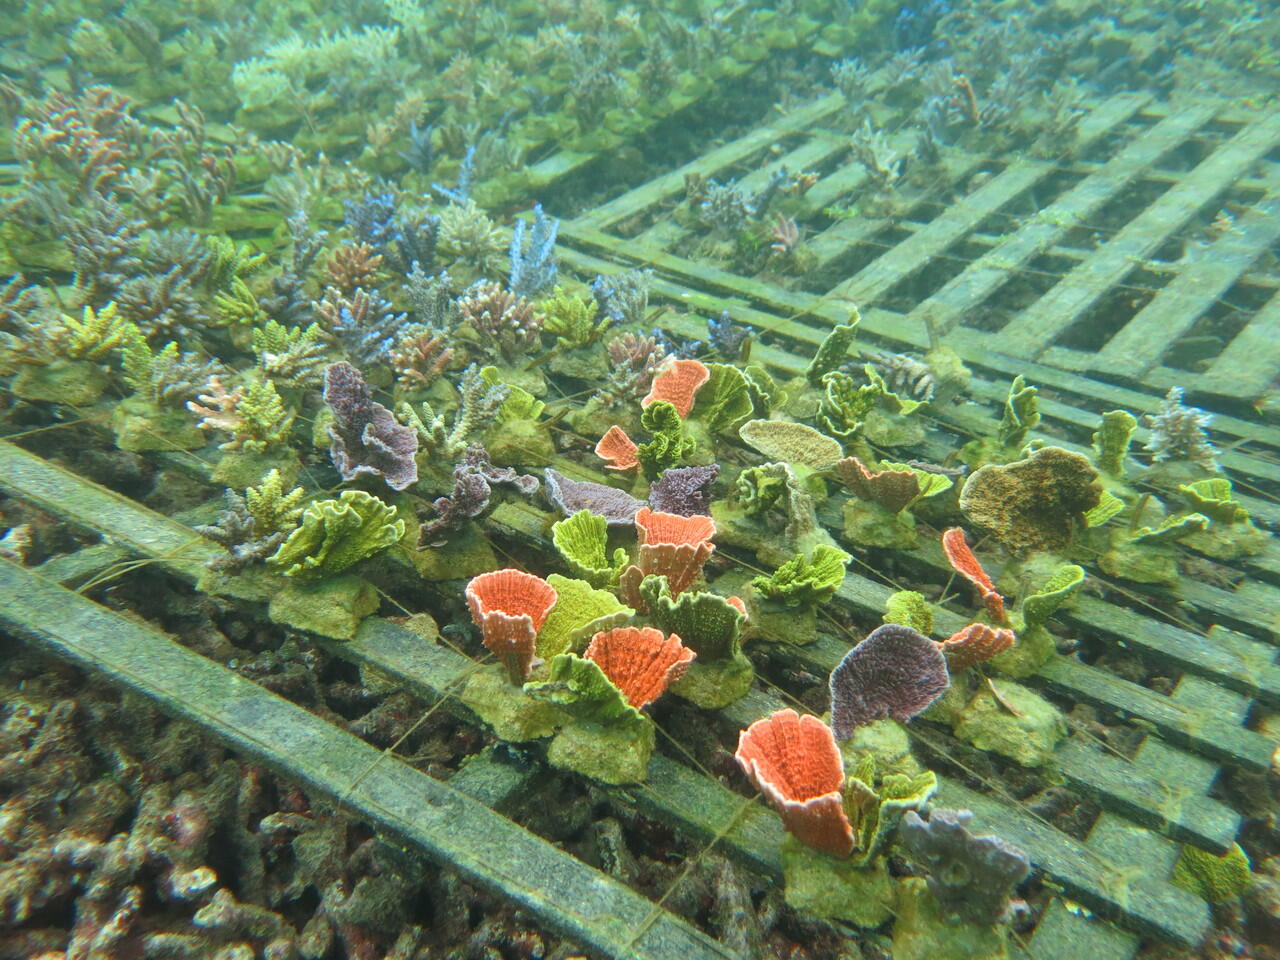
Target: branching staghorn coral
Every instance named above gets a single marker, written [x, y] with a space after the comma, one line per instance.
[364, 323]
[1178, 432]
[292, 356]
[634, 360]
[44, 337]
[254, 414]
[533, 257]
[167, 378]
[420, 356]
[501, 318]
[471, 238]
[478, 406]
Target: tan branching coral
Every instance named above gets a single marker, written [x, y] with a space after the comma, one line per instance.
[354, 265]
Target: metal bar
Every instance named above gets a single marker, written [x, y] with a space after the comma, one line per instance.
[450, 827]
[993, 269]
[1140, 343]
[1033, 331]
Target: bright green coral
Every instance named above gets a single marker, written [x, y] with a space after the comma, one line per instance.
[580, 612]
[1213, 498]
[335, 534]
[238, 306]
[1111, 441]
[724, 401]
[607, 738]
[846, 405]
[582, 541]
[572, 319]
[1036, 608]
[803, 582]
[668, 445]
[910, 609]
[1021, 414]
[833, 350]
[95, 335]
[874, 808]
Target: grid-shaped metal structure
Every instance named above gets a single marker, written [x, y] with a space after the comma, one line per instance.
[947, 262]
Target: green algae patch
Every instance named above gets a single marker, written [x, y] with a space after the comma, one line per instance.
[1216, 879]
[921, 932]
[468, 554]
[1012, 721]
[332, 607]
[835, 888]
[512, 714]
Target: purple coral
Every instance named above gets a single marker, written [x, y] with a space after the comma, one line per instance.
[894, 672]
[618, 508]
[365, 436]
[473, 481]
[685, 491]
[972, 877]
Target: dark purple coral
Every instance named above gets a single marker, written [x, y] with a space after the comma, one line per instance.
[972, 877]
[685, 491]
[618, 508]
[365, 436]
[474, 478]
[894, 672]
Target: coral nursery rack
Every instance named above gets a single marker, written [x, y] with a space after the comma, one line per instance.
[955, 262]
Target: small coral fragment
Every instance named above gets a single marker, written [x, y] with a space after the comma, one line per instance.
[975, 643]
[617, 507]
[963, 561]
[366, 437]
[1216, 879]
[794, 761]
[617, 449]
[684, 490]
[794, 443]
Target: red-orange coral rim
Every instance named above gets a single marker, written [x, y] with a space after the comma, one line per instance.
[963, 561]
[678, 384]
[975, 643]
[513, 593]
[671, 528]
[640, 661]
[794, 762]
[618, 449]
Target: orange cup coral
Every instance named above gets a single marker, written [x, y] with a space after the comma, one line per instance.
[674, 546]
[617, 449]
[509, 607]
[966, 564]
[794, 761]
[975, 643]
[640, 661]
[678, 384]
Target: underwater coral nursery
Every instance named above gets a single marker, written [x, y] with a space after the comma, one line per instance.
[825, 643]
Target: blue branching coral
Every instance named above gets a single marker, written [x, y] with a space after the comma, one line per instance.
[533, 255]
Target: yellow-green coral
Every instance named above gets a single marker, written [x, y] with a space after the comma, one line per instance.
[273, 510]
[335, 534]
[1210, 877]
[803, 582]
[96, 334]
[581, 541]
[572, 318]
[910, 609]
[238, 306]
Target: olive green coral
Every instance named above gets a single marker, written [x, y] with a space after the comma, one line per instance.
[273, 510]
[335, 534]
[1033, 504]
[668, 445]
[1211, 877]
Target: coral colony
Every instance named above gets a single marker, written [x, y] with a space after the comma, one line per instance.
[320, 306]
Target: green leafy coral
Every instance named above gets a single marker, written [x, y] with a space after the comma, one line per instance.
[803, 582]
[582, 542]
[833, 350]
[668, 445]
[336, 534]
